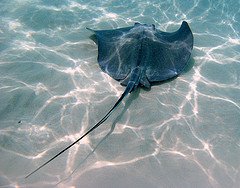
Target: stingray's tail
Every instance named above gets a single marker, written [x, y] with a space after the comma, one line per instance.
[132, 84]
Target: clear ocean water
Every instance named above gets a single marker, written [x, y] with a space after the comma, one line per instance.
[180, 134]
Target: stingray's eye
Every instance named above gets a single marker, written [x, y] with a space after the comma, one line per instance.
[137, 23]
[153, 27]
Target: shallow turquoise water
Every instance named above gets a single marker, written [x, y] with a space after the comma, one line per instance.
[183, 133]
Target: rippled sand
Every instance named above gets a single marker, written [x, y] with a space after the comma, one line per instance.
[183, 133]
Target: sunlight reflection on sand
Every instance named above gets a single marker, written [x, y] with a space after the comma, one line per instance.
[52, 91]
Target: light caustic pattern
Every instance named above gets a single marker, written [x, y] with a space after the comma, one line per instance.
[181, 133]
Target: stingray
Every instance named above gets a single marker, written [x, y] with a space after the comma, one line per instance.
[139, 56]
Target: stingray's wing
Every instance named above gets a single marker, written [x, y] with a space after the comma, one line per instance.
[116, 51]
[167, 54]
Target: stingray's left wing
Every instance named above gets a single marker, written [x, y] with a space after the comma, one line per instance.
[116, 52]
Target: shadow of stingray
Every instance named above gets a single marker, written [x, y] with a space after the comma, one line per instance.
[134, 95]
[189, 66]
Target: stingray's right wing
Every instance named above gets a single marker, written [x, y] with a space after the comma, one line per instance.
[116, 51]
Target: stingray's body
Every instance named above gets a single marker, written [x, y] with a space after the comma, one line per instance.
[158, 55]
[139, 55]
